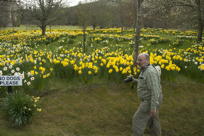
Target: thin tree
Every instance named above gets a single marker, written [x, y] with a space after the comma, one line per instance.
[138, 26]
[44, 12]
[83, 13]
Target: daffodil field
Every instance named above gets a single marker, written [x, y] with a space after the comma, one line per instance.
[108, 54]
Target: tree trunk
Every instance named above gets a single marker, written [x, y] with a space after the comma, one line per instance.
[200, 22]
[84, 39]
[43, 28]
[137, 30]
[121, 17]
[122, 29]
[94, 27]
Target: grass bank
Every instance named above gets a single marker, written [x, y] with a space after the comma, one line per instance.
[106, 108]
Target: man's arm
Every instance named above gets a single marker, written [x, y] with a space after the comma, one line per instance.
[130, 79]
[134, 80]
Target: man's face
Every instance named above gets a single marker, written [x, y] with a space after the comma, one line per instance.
[142, 61]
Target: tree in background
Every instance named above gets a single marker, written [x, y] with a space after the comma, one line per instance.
[157, 13]
[83, 17]
[8, 12]
[197, 7]
[127, 13]
[181, 14]
[102, 14]
[3, 13]
[93, 16]
[44, 12]
[185, 14]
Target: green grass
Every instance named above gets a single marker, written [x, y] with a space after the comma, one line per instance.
[105, 108]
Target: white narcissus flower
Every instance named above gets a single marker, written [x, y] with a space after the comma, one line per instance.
[196, 63]
[5, 69]
[28, 83]
[32, 78]
[17, 69]
[22, 75]
[61, 55]
[12, 71]
[16, 74]
[1, 73]
[29, 74]
[10, 66]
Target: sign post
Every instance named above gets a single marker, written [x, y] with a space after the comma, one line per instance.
[10, 81]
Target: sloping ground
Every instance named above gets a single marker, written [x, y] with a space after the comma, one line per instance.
[106, 109]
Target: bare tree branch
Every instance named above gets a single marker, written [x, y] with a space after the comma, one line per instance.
[43, 11]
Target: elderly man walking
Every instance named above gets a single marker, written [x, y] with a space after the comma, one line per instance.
[150, 94]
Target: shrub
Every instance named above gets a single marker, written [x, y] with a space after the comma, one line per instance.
[19, 108]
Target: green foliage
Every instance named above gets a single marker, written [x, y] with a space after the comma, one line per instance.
[19, 108]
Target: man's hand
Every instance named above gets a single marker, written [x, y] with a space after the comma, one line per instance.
[153, 112]
[128, 79]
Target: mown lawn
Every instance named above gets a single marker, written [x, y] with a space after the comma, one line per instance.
[105, 108]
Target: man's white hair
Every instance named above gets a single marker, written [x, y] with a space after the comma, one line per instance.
[146, 55]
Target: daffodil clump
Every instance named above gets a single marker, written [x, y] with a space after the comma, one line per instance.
[33, 37]
[98, 62]
[26, 62]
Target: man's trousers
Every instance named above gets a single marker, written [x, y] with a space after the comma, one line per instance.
[142, 119]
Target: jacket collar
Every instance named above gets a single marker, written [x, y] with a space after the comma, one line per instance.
[144, 68]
